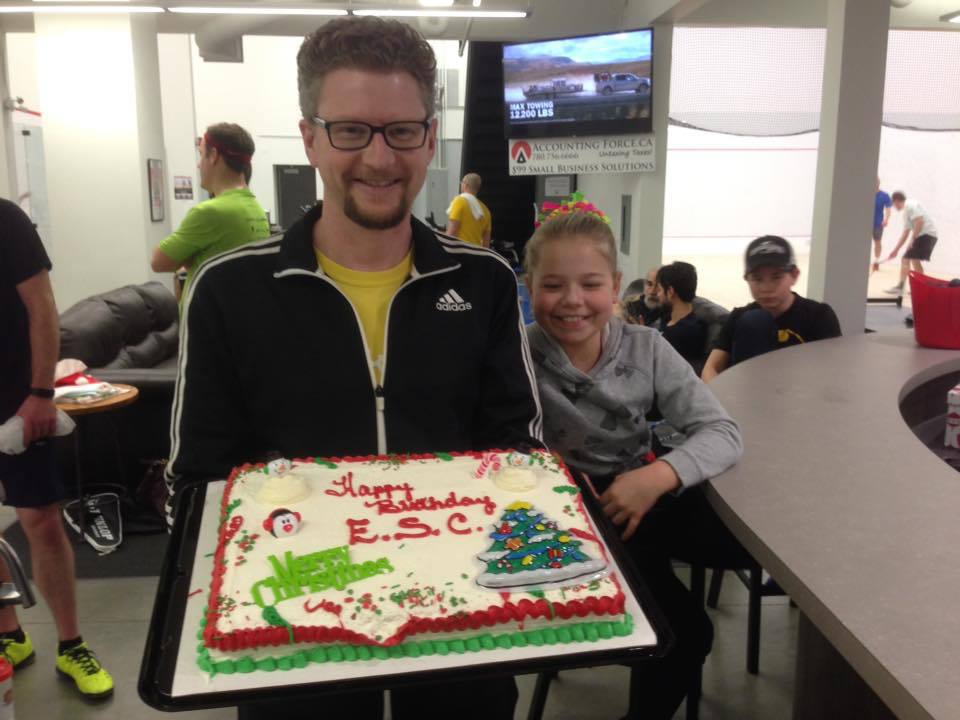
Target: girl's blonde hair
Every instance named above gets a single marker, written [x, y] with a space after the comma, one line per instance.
[568, 225]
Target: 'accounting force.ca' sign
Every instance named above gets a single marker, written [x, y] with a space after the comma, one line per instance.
[568, 156]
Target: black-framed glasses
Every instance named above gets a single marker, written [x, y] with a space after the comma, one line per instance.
[356, 135]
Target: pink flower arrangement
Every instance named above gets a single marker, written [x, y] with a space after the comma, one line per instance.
[574, 203]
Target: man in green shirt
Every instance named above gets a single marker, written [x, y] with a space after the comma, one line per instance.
[230, 218]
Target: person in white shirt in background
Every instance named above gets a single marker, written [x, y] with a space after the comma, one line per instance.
[918, 221]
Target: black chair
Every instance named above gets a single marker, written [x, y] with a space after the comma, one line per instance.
[752, 578]
[542, 687]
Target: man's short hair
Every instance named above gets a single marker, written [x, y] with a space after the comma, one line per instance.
[898, 195]
[473, 182]
[364, 43]
[635, 288]
[682, 277]
[235, 146]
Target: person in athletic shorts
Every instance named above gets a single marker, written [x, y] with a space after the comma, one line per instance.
[916, 220]
[28, 356]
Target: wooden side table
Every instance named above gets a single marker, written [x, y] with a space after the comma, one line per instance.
[78, 411]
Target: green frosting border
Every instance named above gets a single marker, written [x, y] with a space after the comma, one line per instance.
[583, 632]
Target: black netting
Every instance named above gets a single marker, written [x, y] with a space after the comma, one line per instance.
[767, 81]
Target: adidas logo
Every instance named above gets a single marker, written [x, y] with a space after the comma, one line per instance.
[451, 301]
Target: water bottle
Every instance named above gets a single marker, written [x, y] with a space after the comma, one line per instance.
[6, 689]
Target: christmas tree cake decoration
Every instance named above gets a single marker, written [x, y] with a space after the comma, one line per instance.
[282, 523]
[529, 549]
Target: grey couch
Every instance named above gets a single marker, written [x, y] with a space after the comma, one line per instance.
[127, 335]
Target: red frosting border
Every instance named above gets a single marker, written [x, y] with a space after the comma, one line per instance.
[508, 611]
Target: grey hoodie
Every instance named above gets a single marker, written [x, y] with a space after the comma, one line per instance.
[596, 420]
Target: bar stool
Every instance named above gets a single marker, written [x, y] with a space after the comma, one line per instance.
[17, 592]
[752, 578]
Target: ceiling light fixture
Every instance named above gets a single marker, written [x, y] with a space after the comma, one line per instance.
[436, 3]
[189, 9]
[953, 17]
[78, 9]
[475, 14]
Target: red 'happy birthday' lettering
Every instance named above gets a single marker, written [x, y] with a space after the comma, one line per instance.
[389, 506]
[346, 487]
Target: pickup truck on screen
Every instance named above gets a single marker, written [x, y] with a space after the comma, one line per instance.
[552, 89]
[609, 83]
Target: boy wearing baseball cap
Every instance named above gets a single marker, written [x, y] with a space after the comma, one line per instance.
[778, 317]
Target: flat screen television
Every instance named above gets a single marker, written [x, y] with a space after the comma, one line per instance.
[585, 85]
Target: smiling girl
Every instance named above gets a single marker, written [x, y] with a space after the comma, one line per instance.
[598, 377]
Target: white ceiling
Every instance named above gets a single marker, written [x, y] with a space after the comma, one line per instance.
[549, 18]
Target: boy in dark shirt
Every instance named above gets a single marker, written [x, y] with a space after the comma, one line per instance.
[778, 317]
[676, 287]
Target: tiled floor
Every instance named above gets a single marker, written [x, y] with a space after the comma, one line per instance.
[115, 614]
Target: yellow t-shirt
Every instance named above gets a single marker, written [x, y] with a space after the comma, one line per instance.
[471, 230]
[370, 293]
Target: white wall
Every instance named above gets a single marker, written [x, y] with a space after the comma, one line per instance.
[725, 190]
[179, 124]
[88, 73]
[260, 94]
[21, 59]
[150, 137]
[606, 191]
[22, 68]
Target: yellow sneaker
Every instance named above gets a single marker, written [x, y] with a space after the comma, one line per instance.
[81, 665]
[19, 654]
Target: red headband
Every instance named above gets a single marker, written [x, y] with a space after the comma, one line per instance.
[212, 142]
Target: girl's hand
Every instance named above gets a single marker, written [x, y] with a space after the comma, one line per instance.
[632, 494]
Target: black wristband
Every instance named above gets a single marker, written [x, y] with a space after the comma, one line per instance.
[42, 392]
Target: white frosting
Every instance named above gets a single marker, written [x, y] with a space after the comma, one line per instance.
[282, 490]
[516, 479]
[426, 577]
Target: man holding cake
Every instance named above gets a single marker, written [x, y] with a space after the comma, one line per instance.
[339, 339]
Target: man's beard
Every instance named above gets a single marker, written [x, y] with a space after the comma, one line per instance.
[371, 222]
[651, 302]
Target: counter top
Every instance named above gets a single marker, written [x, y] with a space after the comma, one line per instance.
[849, 511]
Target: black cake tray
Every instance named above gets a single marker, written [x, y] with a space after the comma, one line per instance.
[166, 630]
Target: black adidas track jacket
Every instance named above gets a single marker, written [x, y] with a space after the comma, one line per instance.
[272, 358]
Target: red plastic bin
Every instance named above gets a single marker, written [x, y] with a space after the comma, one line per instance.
[936, 312]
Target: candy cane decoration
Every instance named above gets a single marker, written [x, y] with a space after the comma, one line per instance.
[489, 462]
